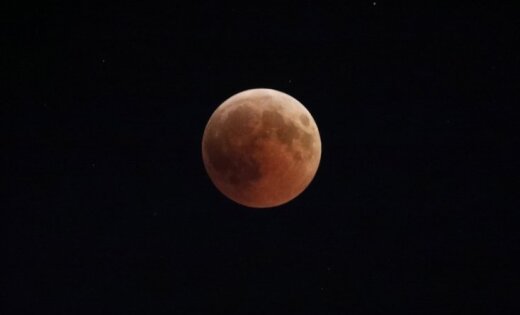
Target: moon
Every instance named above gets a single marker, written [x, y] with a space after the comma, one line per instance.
[261, 148]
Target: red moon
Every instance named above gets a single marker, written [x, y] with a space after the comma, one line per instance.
[261, 148]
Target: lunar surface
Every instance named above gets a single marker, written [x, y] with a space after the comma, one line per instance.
[261, 148]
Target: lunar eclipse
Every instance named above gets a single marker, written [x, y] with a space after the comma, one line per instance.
[261, 148]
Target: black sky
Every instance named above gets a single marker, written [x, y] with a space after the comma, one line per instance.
[109, 209]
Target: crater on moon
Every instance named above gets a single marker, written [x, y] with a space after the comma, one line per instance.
[304, 119]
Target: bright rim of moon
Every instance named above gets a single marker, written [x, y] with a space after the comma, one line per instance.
[261, 148]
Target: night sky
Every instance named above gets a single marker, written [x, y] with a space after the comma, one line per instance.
[108, 209]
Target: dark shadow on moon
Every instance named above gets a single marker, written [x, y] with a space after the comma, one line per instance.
[233, 160]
